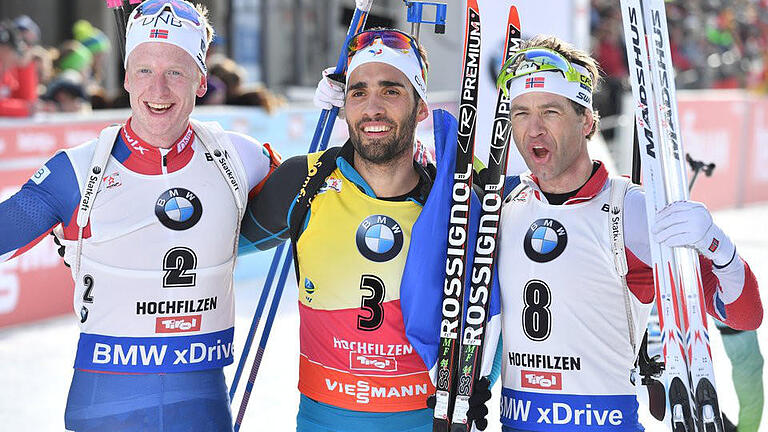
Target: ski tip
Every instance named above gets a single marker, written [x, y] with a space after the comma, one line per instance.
[514, 18]
[472, 4]
[114, 3]
[364, 5]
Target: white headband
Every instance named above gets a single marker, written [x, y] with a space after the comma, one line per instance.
[165, 27]
[553, 81]
[404, 60]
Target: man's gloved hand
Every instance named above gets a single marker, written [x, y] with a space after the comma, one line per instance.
[689, 224]
[481, 393]
[329, 92]
[60, 249]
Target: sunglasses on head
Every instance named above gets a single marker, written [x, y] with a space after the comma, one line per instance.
[179, 8]
[391, 38]
[538, 60]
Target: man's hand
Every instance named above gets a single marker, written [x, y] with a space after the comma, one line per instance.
[60, 249]
[329, 92]
[689, 224]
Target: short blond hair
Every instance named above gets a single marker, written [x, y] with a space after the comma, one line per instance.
[209, 31]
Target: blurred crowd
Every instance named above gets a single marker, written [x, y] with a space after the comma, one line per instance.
[714, 44]
[71, 77]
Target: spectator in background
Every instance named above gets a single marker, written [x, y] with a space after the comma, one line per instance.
[98, 44]
[18, 79]
[75, 56]
[28, 29]
[72, 79]
[67, 94]
[233, 76]
[42, 58]
[610, 54]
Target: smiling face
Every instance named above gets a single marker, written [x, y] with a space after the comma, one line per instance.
[550, 135]
[163, 81]
[382, 112]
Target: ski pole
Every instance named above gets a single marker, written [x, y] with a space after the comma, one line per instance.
[264, 338]
[697, 167]
[362, 9]
[329, 116]
[256, 318]
[121, 21]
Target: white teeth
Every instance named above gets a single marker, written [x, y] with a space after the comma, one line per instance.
[376, 129]
[158, 106]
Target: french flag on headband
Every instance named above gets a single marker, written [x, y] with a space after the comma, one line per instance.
[534, 82]
[158, 34]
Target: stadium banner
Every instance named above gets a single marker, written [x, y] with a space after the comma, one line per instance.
[714, 129]
[755, 168]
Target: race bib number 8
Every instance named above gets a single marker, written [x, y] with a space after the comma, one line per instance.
[537, 318]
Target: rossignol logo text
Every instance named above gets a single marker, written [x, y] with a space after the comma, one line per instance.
[454, 266]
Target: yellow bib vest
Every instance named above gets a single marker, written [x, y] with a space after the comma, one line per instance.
[351, 255]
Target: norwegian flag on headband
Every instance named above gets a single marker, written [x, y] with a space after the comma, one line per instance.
[534, 82]
[158, 34]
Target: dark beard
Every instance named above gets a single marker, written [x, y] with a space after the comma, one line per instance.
[383, 151]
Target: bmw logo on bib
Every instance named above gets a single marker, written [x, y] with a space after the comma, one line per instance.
[178, 209]
[545, 240]
[379, 238]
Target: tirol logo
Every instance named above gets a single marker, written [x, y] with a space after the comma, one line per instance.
[359, 361]
[178, 209]
[180, 324]
[545, 240]
[541, 380]
[379, 238]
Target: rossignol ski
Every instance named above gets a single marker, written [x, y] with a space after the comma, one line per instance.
[689, 377]
[473, 334]
[458, 228]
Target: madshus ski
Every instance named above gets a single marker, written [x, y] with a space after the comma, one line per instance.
[473, 334]
[692, 403]
[458, 228]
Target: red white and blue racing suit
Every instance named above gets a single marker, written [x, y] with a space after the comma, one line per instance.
[152, 269]
[567, 354]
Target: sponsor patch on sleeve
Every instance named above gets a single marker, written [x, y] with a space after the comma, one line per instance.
[40, 175]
